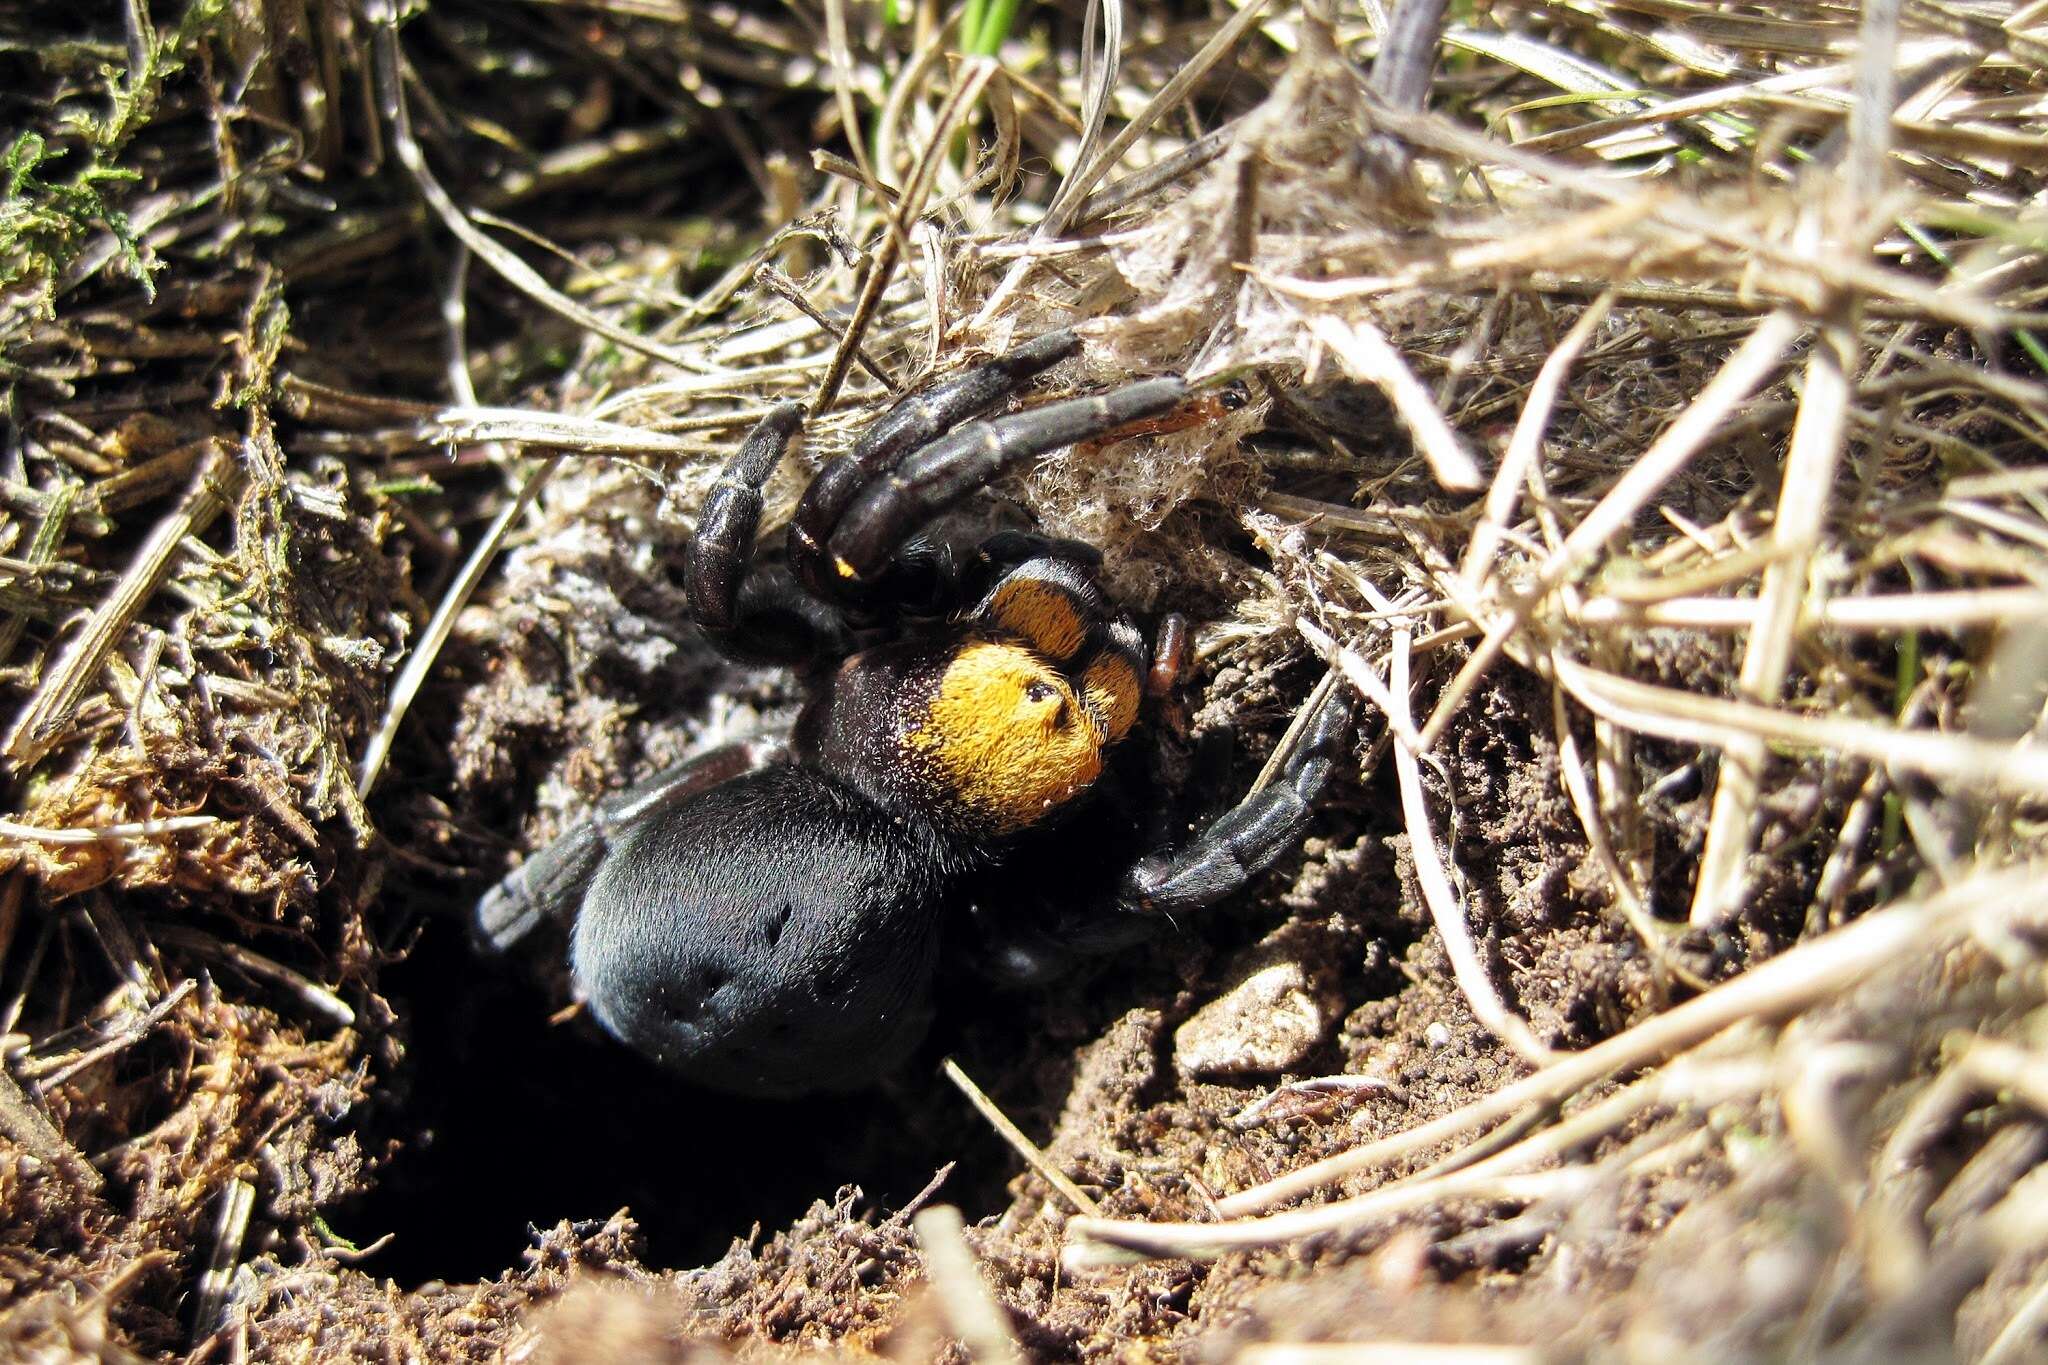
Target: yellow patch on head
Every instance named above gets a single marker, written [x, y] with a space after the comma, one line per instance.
[1008, 735]
[1042, 613]
[1110, 689]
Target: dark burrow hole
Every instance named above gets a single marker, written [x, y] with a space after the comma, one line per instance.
[503, 1121]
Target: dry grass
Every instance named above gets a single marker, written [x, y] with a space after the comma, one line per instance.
[1666, 394]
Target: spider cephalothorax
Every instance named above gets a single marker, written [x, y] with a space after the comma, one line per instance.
[776, 929]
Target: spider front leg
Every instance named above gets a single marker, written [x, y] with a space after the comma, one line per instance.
[757, 615]
[1252, 836]
[912, 422]
[716, 562]
[933, 478]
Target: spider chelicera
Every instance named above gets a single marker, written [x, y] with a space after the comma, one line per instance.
[776, 928]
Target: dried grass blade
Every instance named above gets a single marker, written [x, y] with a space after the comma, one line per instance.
[510, 267]
[421, 662]
[1737, 378]
[1366, 354]
[1074, 192]
[2016, 769]
[1803, 502]
[42, 722]
[1797, 978]
[1446, 909]
[974, 74]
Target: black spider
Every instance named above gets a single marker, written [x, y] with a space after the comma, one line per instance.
[776, 929]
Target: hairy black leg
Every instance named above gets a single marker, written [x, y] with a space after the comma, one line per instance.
[910, 423]
[939, 475]
[551, 883]
[1248, 839]
[717, 559]
[780, 625]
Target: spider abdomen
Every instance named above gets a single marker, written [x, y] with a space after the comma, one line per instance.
[771, 936]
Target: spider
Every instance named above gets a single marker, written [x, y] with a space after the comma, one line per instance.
[777, 928]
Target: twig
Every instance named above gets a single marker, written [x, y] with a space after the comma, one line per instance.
[784, 288]
[1022, 1145]
[421, 662]
[1446, 911]
[965, 1301]
[309, 992]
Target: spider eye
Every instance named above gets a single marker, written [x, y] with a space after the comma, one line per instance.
[1039, 690]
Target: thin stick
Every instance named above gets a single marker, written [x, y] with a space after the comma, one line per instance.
[1158, 175]
[784, 288]
[421, 662]
[1023, 1146]
[964, 1299]
[1446, 911]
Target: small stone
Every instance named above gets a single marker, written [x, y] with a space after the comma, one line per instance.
[1268, 1021]
[1437, 1034]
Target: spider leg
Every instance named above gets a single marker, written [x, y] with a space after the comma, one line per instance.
[912, 422]
[717, 558]
[550, 884]
[1252, 836]
[934, 478]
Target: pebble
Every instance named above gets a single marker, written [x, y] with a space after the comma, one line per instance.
[1268, 1021]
